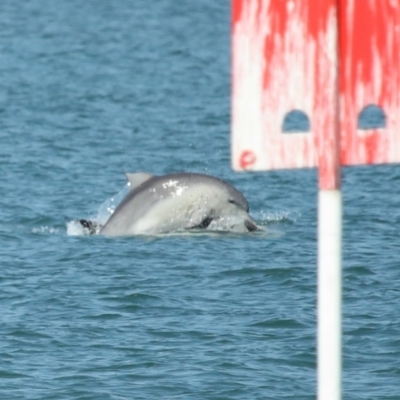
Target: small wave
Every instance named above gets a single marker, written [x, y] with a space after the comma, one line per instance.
[74, 228]
[266, 218]
[46, 229]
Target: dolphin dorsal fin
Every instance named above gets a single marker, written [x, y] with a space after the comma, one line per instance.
[137, 178]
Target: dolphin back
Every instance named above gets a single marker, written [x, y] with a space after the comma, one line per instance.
[158, 204]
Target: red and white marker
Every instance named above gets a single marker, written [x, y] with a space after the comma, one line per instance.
[331, 62]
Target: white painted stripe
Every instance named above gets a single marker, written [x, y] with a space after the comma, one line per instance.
[329, 294]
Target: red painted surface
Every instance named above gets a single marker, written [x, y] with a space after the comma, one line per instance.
[247, 159]
[285, 57]
[282, 61]
[369, 39]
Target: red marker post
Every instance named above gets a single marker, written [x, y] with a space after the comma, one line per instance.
[316, 83]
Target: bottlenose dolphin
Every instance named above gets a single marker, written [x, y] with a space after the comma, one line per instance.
[179, 201]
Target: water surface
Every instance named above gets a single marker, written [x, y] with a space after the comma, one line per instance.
[90, 90]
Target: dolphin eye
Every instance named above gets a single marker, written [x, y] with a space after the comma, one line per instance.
[232, 201]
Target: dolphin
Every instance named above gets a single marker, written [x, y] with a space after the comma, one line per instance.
[176, 202]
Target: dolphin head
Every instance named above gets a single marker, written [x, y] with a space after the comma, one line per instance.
[233, 212]
[234, 217]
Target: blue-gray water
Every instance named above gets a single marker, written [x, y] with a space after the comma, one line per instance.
[90, 90]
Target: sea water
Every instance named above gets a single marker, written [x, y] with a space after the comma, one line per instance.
[91, 90]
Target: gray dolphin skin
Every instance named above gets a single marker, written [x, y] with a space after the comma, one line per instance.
[179, 201]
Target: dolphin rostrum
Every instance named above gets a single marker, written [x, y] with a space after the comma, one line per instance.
[179, 201]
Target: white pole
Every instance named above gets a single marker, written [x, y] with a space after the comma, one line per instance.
[329, 294]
